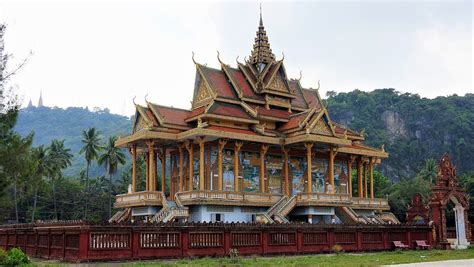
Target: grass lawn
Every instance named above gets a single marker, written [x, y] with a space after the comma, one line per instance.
[332, 260]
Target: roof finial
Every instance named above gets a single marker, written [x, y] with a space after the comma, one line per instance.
[261, 20]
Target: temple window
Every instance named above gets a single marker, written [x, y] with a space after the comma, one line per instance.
[251, 166]
[298, 167]
[274, 164]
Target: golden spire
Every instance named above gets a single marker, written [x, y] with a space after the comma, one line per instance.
[261, 53]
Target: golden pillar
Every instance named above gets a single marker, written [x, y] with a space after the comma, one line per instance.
[238, 145]
[332, 156]
[201, 162]
[147, 172]
[189, 147]
[349, 173]
[371, 172]
[309, 185]
[133, 153]
[163, 169]
[263, 151]
[181, 162]
[285, 161]
[359, 177]
[151, 164]
[365, 180]
[220, 147]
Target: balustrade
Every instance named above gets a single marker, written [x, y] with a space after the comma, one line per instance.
[137, 199]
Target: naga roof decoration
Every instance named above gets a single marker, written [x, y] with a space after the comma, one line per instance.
[254, 100]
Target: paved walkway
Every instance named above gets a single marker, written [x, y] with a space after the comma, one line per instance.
[457, 263]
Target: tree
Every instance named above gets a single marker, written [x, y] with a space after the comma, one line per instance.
[60, 157]
[429, 171]
[43, 167]
[91, 140]
[111, 159]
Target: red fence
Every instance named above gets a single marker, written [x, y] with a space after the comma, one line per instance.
[82, 242]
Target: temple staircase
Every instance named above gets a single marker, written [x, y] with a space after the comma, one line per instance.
[278, 211]
[121, 216]
[171, 210]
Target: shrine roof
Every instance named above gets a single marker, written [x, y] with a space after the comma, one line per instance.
[230, 110]
[311, 97]
[234, 130]
[272, 112]
[171, 115]
[298, 101]
[294, 121]
[339, 129]
[243, 84]
[218, 81]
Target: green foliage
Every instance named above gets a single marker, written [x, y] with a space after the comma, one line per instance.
[16, 257]
[3, 257]
[412, 128]
[467, 181]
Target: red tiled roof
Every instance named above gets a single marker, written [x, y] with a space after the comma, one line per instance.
[243, 84]
[249, 71]
[196, 111]
[340, 130]
[272, 112]
[228, 129]
[218, 81]
[311, 97]
[299, 101]
[293, 122]
[230, 110]
[172, 115]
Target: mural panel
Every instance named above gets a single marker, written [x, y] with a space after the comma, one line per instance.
[251, 165]
[341, 177]
[298, 167]
[274, 164]
[228, 170]
[318, 174]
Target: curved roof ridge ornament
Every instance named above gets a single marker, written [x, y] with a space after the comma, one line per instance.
[134, 100]
[319, 85]
[193, 58]
[237, 60]
[146, 100]
[283, 56]
[218, 58]
[301, 75]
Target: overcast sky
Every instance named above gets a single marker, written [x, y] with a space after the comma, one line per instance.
[103, 54]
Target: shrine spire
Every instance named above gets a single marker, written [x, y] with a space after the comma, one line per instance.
[261, 53]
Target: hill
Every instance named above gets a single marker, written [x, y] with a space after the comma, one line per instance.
[68, 124]
[412, 128]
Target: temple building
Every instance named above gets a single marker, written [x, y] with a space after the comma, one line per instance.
[255, 146]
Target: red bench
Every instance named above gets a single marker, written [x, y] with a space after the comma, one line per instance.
[422, 244]
[400, 245]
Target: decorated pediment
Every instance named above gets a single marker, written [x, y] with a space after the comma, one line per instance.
[320, 124]
[202, 92]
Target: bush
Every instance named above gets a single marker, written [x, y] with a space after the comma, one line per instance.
[3, 257]
[337, 249]
[16, 257]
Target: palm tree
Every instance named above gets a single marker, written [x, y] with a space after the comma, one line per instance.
[111, 159]
[43, 167]
[91, 140]
[429, 171]
[60, 160]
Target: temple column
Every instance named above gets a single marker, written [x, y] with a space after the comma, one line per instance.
[238, 145]
[263, 151]
[163, 169]
[285, 161]
[201, 162]
[181, 162]
[366, 191]
[189, 147]
[309, 185]
[220, 179]
[332, 156]
[147, 172]
[359, 177]
[371, 172]
[133, 153]
[349, 173]
[151, 164]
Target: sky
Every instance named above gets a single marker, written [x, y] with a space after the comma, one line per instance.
[104, 53]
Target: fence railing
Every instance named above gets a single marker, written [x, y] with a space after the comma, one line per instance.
[77, 243]
[221, 197]
[139, 199]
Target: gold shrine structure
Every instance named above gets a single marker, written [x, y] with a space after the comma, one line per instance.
[255, 146]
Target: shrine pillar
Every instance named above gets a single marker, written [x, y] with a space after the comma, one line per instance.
[181, 162]
[309, 184]
[189, 147]
[238, 145]
[263, 151]
[371, 172]
[147, 172]
[359, 177]
[163, 169]
[365, 179]
[332, 156]
[220, 147]
[286, 169]
[349, 173]
[151, 165]
[201, 162]
[133, 153]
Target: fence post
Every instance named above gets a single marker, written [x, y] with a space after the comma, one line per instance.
[408, 234]
[84, 244]
[330, 233]
[359, 234]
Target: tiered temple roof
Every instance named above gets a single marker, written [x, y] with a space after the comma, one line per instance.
[255, 98]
